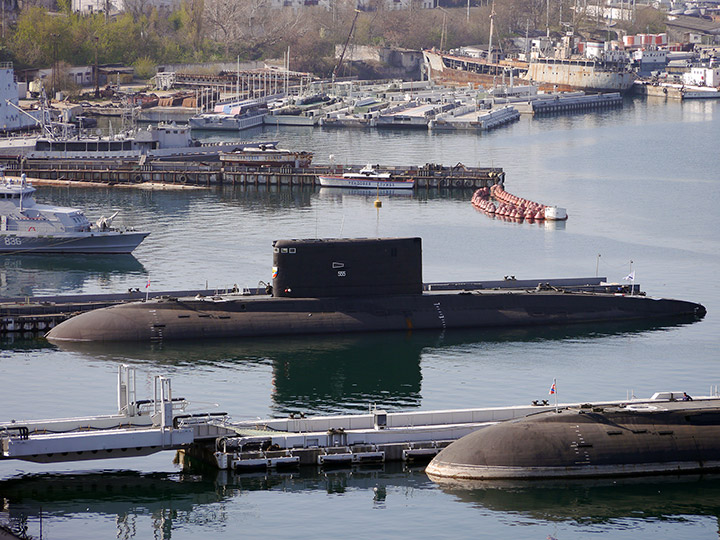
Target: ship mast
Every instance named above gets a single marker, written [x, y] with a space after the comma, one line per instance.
[547, 19]
[492, 18]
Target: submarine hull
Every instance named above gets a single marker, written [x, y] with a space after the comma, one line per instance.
[238, 316]
[672, 438]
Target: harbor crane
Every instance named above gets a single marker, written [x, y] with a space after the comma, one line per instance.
[347, 42]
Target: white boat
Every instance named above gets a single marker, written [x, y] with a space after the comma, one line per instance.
[369, 178]
[266, 155]
[29, 227]
[233, 116]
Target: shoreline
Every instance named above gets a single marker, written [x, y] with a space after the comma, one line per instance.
[159, 186]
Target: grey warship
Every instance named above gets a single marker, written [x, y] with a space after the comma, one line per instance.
[323, 286]
[29, 227]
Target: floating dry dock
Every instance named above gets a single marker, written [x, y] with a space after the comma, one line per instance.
[214, 172]
[143, 427]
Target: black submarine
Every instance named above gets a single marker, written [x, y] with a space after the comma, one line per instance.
[325, 286]
[670, 437]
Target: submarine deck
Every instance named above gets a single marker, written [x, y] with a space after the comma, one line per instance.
[439, 307]
[42, 313]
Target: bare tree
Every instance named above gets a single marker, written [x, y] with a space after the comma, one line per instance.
[223, 18]
[138, 8]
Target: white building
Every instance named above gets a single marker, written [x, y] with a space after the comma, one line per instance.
[10, 117]
[115, 6]
[363, 5]
[92, 6]
[80, 75]
[701, 76]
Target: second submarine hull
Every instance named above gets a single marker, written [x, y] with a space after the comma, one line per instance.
[233, 316]
[676, 437]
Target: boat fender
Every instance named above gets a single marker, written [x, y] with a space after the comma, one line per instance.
[664, 90]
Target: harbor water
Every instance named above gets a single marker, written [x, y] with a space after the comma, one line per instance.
[642, 190]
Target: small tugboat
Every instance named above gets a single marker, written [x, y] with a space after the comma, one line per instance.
[29, 227]
[368, 177]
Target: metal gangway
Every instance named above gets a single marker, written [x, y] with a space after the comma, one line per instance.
[140, 428]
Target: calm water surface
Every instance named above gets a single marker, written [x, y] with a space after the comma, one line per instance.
[640, 184]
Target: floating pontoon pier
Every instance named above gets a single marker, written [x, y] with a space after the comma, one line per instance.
[143, 427]
[560, 104]
[468, 118]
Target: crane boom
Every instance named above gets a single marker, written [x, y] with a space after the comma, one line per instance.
[347, 42]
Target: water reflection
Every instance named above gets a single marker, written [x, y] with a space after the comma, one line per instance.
[184, 500]
[178, 499]
[320, 374]
[122, 496]
[338, 194]
[28, 275]
[263, 198]
[346, 372]
[595, 501]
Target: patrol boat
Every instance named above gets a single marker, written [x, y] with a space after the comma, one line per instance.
[29, 227]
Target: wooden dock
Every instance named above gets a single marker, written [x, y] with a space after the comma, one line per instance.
[200, 173]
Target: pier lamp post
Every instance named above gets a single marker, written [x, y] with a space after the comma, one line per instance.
[97, 74]
[55, 61]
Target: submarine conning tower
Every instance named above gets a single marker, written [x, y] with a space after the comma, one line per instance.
[318, 268]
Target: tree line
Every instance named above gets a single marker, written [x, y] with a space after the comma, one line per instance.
[224, 30]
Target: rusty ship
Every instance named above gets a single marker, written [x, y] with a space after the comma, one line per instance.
[571, 65]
